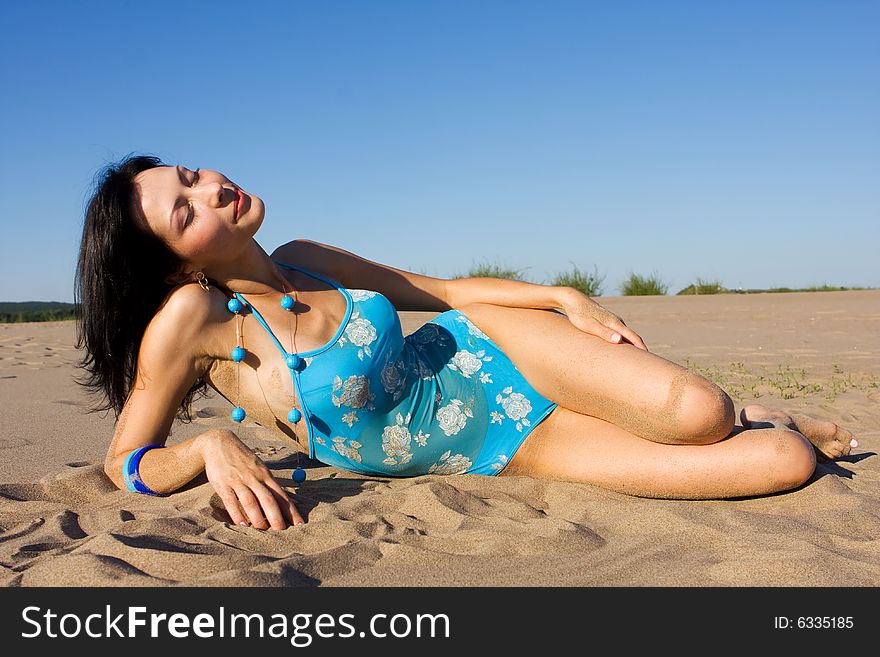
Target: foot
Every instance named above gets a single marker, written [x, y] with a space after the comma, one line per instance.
[829, 440]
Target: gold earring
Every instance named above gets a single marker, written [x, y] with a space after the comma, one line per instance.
[203, 281]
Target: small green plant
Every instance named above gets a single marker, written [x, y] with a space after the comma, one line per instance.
[636, 285]
[589, 284]
[704, 287]
[487, 270]
[790, 381]
[787, 381]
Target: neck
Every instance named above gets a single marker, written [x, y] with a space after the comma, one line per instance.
[252, 273]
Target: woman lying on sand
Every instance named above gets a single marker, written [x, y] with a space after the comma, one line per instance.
[176, 294]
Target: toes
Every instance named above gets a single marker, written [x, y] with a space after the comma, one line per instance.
[845, 439]
[842, 445]
[847, 447]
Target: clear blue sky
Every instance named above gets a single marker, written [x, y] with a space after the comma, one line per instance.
[737, 141]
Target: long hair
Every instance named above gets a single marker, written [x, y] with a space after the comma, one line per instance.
[120, 285]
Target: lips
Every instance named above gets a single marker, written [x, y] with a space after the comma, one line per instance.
[239, 202]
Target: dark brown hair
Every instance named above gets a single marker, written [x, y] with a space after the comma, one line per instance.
[120, 285]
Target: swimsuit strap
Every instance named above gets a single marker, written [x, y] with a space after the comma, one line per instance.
[313, 275]
[263, 322]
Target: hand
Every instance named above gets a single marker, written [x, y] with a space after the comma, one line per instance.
[244, 483]
[590, 317]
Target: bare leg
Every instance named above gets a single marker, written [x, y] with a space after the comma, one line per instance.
[573, 447]
[635, 422]
[641, 392]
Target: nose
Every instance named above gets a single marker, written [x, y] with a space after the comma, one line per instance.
[216, 195]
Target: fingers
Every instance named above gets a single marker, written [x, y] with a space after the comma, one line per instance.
[230, 501]
[251, 505]
[294, 513]
[618, 331]
[252, 496]
[612, 332]
[271, 510]
[633, 337]
[266, 505]
[288, 509]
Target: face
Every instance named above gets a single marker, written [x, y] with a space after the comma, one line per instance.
[198, 213]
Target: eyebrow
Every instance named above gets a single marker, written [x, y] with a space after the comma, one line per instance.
[176, 204]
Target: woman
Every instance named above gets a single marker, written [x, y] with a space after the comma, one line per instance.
[176, 294]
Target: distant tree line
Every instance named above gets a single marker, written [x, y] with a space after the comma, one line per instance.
[36, 311]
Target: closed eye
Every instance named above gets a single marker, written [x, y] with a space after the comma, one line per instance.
[191, 215]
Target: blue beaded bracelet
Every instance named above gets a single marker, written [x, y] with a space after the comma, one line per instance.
[130, 473]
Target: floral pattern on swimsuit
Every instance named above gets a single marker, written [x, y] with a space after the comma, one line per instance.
[444, 399]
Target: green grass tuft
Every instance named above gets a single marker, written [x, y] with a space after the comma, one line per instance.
[486, 270]
[637, 285]
[589, 284]
[701, 286]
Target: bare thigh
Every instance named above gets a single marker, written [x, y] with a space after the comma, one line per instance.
[641, 392]
[568, 446]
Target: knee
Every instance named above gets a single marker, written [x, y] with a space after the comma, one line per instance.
[795, 462]
[707, 414]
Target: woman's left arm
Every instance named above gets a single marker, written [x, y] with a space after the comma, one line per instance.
[581, 310]
[409, 291]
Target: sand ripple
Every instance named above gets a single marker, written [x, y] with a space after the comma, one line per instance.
[75, 529]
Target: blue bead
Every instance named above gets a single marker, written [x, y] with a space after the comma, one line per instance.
[299, 475]
[294, 416]
[234, 306]
[238, 354]
[287, 302]
[292, 361]
[238, 414]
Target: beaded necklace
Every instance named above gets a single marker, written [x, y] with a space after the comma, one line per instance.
[291, 360]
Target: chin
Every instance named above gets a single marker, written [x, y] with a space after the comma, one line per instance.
[256, 214]
[258, 208]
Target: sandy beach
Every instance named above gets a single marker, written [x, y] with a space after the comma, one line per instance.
[63, 523]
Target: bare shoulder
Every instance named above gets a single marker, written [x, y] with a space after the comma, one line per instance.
[320, 258]
[333, 262]
[292, 249]
[406, 290]
[185, 320]
[189, 306]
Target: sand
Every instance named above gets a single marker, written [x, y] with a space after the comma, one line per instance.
[62, 523]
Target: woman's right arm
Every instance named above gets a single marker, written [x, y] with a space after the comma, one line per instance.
[168, 366]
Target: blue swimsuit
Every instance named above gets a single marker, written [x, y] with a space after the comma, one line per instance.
[443, 400]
